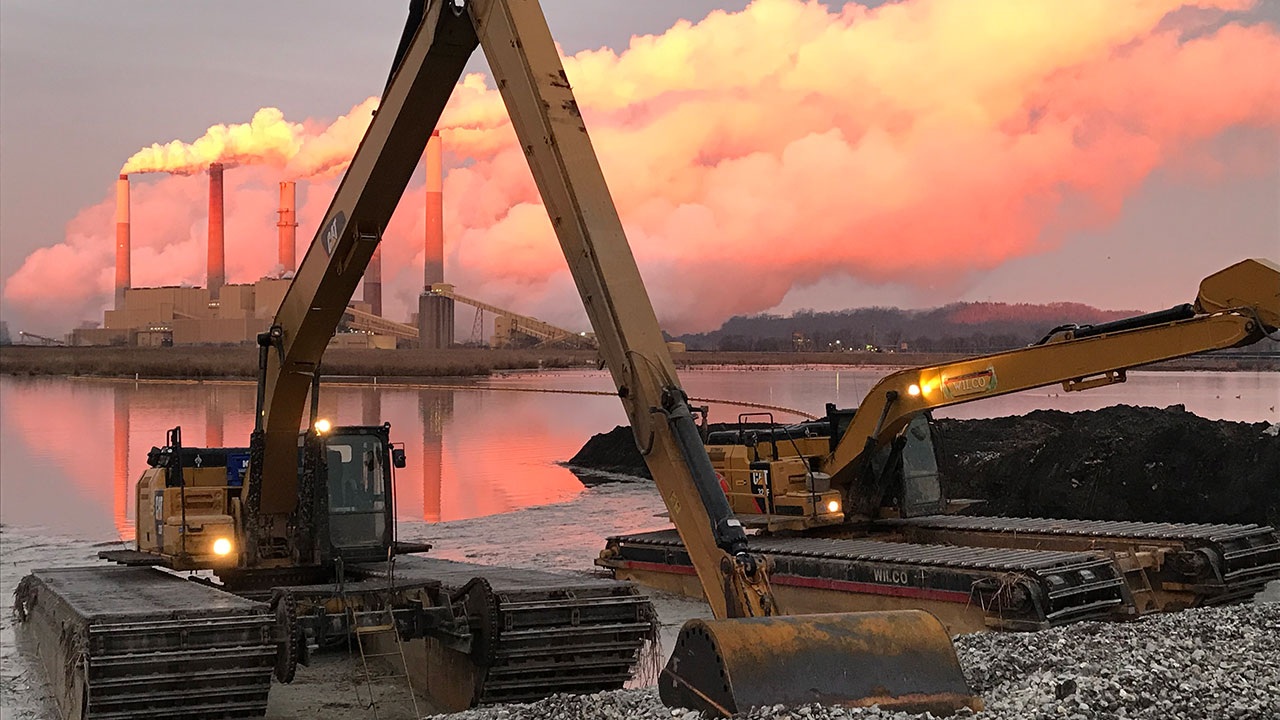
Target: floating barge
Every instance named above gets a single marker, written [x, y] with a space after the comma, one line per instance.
[967, 588]
[994, 573]
[122, 642]
[1169, 566]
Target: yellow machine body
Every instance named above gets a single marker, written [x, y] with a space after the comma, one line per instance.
[194, 526]
[1234, 307]
[779, 492]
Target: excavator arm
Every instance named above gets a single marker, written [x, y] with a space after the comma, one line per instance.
[1237, 306]
[527, 69]
[719, 666]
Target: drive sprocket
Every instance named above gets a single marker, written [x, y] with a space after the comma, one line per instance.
[481, 605]
[289, 636]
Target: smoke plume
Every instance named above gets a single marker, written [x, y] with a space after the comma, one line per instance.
[919, 142]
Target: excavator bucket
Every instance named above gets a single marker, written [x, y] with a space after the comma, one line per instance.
[902, 660]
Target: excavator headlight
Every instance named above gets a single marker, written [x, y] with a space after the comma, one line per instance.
[913, 390]
[322, 426]
[222, 546]
[833, 506]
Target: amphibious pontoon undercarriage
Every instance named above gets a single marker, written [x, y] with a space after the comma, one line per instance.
[989, 572]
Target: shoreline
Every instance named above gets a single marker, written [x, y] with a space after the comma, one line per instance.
[197, 363]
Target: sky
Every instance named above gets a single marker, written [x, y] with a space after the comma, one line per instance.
[824, 156]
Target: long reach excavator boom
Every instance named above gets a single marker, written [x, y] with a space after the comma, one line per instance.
[527, 68]
[310, 526]
[910, 661]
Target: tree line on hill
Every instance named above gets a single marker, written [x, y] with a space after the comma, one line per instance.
[958, 327]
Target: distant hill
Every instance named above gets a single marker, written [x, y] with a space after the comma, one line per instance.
[958, 327]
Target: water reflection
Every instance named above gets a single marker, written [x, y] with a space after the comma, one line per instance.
[435, 409]
[470, 452]
[370, 406]
[212, 420]
[73, 450]
[120, 467]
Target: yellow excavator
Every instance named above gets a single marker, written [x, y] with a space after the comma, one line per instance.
[796, 479]
[852, 512]
[304, 519]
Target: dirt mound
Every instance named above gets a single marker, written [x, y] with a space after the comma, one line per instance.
[1121, 462]
[611, 452]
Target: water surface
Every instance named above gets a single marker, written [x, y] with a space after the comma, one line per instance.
[71, 450]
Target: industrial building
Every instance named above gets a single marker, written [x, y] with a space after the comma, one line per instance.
[217, 314]
[224, 313]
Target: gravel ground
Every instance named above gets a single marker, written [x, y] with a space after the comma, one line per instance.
[1211, 664]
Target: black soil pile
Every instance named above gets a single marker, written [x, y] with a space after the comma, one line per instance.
[1121, 462]
[1118, 463]
[611, 452]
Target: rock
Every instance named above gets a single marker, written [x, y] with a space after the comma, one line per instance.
[1065, 688]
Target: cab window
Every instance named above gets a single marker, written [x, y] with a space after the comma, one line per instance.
[356, 474]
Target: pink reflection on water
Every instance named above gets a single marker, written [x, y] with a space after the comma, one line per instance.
[74, 450]
[58, 455]
[482, 458]
[120, 480]
[435, 409]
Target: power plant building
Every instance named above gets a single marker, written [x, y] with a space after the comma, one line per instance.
[213, 315]
[224, 313]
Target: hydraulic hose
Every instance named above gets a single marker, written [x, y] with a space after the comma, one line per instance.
[726, 528]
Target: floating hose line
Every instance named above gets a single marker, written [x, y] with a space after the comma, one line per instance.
[450, 386]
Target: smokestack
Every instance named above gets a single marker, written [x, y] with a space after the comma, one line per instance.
[433, 269]
[122, 239]
[373, 282]
[288, 226]
[371, 406]
[217, 254]
[435, 312]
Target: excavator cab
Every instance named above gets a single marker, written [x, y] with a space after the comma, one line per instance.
[359, 462]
